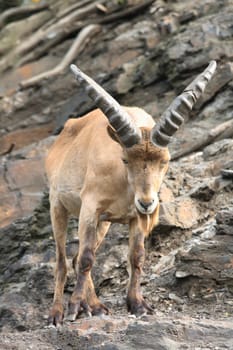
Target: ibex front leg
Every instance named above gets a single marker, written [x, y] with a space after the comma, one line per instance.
[135, 301]
[90, 300]
[90, 236]
[85, 260]
[97, 308]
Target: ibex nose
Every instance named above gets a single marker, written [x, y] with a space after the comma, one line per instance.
[146, 205]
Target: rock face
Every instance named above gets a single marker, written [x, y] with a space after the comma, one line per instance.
[145, 60]
[22, 181]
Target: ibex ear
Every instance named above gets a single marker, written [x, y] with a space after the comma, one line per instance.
[113, 134]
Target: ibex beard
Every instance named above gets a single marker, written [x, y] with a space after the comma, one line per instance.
[106, 167]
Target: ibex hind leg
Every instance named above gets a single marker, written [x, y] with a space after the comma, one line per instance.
[91, 235]
[59, 218]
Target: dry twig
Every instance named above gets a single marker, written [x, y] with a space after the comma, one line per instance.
[19, 12]
[48, 36]
[78, 45]
[125, 13]
[219, 132]
[70, 9]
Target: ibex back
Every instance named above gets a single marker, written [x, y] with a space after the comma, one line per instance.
[107, 167]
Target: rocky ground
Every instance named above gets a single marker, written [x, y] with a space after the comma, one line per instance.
[144, 56]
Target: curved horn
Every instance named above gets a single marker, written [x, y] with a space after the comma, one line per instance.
[173, 117]
[117, 116]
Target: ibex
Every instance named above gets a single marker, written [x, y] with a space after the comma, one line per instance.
[108, 167]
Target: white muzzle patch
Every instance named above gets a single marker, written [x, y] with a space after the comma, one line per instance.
[146, 207]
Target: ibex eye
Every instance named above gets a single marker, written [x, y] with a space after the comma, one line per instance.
[163, 163]
[125, 161]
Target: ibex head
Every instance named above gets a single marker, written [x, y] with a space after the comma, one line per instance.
[146, 166]
[144, 150]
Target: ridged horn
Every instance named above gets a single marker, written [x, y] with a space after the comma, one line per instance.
[117, 116]
[173, 117]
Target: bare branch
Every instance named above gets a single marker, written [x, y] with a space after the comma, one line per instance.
[19, 12]
[50, 36]
[78, 45]
[9, 150]
[73, 7]
[70, 19]
[219, 132]
[125, 13]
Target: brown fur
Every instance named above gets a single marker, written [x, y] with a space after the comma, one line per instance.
[89, 178]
